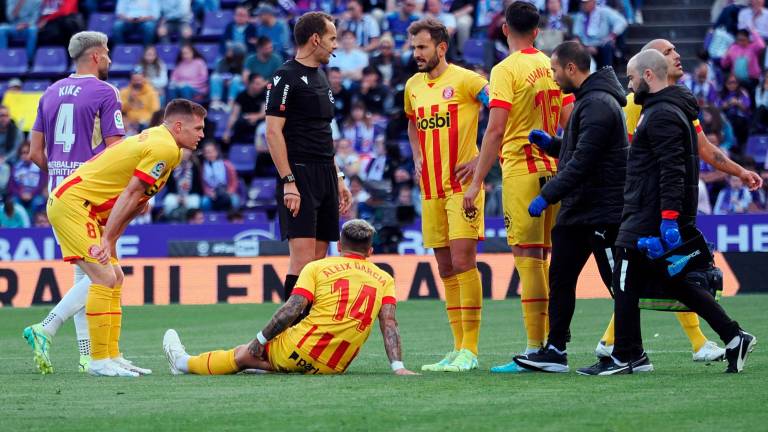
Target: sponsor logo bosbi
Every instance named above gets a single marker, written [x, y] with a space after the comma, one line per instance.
[437, 121]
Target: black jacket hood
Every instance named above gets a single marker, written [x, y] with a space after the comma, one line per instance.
[603, 80]
[678, 96]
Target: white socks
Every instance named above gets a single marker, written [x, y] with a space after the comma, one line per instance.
[70, 304]
[182, 363]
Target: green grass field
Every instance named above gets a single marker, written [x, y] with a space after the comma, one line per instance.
[679, 395]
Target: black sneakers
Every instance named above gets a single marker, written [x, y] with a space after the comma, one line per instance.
[737, 355]
[609, 366]
[543, 360]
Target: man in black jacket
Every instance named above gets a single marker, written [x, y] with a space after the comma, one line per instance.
[660, 200]
[590, 184]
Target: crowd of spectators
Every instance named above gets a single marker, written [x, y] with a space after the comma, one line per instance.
[367, 77]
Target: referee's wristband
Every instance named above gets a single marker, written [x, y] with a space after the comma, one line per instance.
[260, 337]
[397, 365]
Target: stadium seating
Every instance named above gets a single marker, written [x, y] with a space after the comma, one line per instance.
[124, 58]
[168, 53]
[262, 193]
[3, 88]
[757, 147]
[219, 117]
[243, 157]
[214, 24]
[13, 62]
[474, 51]
[101, 22]
[50, 62]
[35, 85]
[210, 53]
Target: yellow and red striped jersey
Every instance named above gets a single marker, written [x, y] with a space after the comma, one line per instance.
[446, 113]
[151, 156]
[346, 294]
[632, 112]
[523, 85]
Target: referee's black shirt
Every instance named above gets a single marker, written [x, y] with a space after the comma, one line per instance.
[302, 95]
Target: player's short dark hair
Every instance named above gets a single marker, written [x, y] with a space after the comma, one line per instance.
[437, 30]
[309, 24]
[184, 107]
[357, 236]
[522, 17]
[573, 52]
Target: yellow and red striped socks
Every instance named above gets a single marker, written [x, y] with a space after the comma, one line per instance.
[115, 322]
[453, 308]
[213, 363]
[535, 299]
[97, 312]
[471, 308]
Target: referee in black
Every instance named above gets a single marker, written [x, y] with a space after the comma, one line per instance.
[661, 200]
[311, 192]
[589, 185]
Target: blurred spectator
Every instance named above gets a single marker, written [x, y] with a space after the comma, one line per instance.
[12, 214]
[140, 101]
[240, 30]
[11, 137]
[396, 23]
[276, 29]
[463, 11]
[59, 20]
[359, 195]
[371, 92]
[363, 26]
[219, 180]
[388, 63]
[229, 69]
[189, 79]
[41, 219]
[376, 165]
[176, 20]
[264, 62]
[346, 158]
[5, 175]
[342, 98]
[493, 199]
[195, 217]
[704, 206]
[713, 179]
[735, 104]
[734, 199]
[155, 70]
[742, 58]
[359, 129]
[598, 27]
[136, 16]
[200, 7]
[485, 11]
[185, 187]
[247, 111]
[22, 16]
[701, 86]
[712, 120]
[554, 18]
[754, 18]
[28, 183]
[434, 9]
[350, 59]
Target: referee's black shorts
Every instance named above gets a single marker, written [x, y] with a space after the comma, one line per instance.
[318, 216]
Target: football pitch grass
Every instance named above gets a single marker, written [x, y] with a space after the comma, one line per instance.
[679, 395]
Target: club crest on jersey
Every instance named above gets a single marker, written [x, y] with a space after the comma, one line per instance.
[157, 170]
[448, 92]
[119, 120]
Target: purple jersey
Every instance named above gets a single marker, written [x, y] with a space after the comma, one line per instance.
[74, 115]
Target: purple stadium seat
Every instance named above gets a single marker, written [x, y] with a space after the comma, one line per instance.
[262, 192]
[214, 24]
[35, 85]
[255, 217]
[13, 62]
[168, 54]
[243, 157]
[49, 62]
[3, 88]
[220, 118]
[210, 53]
[474, 51]
[215, 217]
[101, 22]
[757, 147]
[124, 58]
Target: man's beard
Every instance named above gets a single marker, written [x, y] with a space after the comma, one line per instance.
[568, 86]
[641, 92]
[430, 65]
[103, 74]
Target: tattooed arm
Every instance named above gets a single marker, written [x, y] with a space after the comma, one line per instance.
[712, 155]
[391, 337]
[279, 322]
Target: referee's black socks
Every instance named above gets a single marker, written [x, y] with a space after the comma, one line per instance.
[290, 283]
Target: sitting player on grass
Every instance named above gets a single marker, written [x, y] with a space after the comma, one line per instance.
[346, 292]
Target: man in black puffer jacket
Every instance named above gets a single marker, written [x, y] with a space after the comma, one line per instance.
[590, 186]
[660, 200]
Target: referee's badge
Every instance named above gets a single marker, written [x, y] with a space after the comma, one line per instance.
[448, 92]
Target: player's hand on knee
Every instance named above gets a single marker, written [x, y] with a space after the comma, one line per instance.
[292, 198]
[465, 171]
[537, 206]
[103, 252]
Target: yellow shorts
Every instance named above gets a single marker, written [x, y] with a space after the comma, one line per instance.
[522, 229]
[75, 230]
[286, 357]
[444, 219]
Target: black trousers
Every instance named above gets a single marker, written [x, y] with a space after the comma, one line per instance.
[631, 273]
[571, 247]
